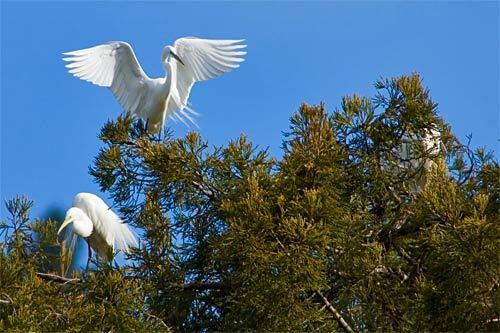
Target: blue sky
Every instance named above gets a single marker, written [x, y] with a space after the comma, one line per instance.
[297, 52]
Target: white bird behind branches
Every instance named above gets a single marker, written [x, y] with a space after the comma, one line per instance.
[189, 60]
[104, 231]
[420, 161]
[431, 142]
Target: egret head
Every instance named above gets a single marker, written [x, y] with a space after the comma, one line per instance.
[82, 225]
[169, 51]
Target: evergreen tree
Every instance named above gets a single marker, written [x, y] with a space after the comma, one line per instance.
[330, 237]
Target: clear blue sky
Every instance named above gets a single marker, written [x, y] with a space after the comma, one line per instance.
[297, 52]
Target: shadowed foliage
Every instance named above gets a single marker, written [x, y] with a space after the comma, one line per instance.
[332, 236]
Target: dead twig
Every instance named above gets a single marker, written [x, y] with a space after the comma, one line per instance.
[57, 278]
[336, 314]
[157, 319]
[198, 286]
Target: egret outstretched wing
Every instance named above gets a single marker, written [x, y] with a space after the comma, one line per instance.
[203, 59]
[113, 65]
[106, 222]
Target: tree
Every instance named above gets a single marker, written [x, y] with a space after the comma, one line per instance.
[329, 237]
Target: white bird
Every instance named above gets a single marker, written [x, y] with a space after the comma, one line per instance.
[421, 162]
[189, 60]
[92, 219]
[431, 144]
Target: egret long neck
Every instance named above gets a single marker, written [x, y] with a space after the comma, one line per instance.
[169, 89]
[170, 71]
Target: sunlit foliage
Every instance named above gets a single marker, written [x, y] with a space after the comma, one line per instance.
[330, 236]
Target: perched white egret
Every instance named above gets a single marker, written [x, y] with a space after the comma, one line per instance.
[410, 159]
[92, 219]
[190, 59]
[431, 142]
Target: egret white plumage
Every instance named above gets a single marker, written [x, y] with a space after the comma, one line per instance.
[189, 60]
[421, 162]
[431, 142]
[104, 231]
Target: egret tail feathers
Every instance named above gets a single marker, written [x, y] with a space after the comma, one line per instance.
[177, 111]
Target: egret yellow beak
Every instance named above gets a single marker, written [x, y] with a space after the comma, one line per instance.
[63, 225]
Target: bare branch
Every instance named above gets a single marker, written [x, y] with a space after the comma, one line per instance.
[199, 286]
[203, 286]
[399, 274]
[335, 313]
[409, 259]
[57, 278]
[149, 315]
[209, 193]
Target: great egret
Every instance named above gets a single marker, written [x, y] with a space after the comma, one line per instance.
[190, 59]
[431, 142]
[92, 219]
[421, 162]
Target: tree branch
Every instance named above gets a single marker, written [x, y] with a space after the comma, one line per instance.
[335, 313]
[57, 278]
[156, 318]
[200, 286]
[209, 193]
[410, 260]
[399, 274]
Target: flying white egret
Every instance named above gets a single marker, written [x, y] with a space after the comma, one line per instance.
[92, 219]
[190, 59]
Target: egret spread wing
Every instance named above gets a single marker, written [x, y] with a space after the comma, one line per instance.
[113, 65]
[203, 59]
[106, 223]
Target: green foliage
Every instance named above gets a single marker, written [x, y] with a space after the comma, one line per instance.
[333, 236]
[31, 300]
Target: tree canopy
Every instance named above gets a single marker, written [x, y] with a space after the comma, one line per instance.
[331, 236]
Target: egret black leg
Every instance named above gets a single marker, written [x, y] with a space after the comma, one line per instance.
[146, 125]
[89, 257]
